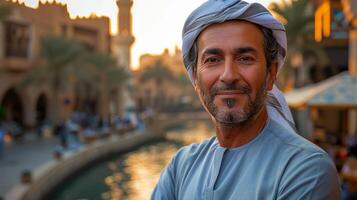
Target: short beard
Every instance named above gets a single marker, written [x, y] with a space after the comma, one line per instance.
[234, 118]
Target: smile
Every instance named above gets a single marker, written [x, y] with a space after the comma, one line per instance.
[230, 92]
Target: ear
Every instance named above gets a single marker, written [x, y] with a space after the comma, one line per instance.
[273, 71]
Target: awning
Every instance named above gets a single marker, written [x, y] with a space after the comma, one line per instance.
[338, 91]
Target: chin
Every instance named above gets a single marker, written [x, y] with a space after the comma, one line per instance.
[231, 117]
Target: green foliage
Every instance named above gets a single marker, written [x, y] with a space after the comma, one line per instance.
[59, 55]
[59, 51]
[5, 11]
[183, 80]
[100, 60]
[117, 75]
[158, 72]
[100, 66]
[66, 58]
[299, 18]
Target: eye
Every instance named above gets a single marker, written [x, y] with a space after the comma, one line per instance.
[246, 59]
[212, 60]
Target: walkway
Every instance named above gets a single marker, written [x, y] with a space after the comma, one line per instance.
[33, 152]
[23, 155]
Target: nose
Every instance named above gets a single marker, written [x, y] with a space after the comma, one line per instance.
[230, 73]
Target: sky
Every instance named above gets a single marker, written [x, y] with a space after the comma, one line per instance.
[157, 24]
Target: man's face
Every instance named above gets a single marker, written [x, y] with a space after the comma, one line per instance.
[232, 77]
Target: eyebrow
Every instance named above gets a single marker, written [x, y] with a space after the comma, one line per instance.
[217, 51]
[242, 50]
[239, 50]
[212, 51]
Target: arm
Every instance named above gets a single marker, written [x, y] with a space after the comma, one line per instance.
[313, 178]
[165, 188]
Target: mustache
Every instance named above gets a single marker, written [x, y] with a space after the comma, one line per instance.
[244, 89]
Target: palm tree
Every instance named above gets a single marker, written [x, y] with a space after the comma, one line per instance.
[99, 74]
[298, 17]
[59, 54]
[108, 69]
[158, 72]
[93, 73]
[4, 12]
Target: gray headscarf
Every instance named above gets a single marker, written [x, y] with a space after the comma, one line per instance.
[219, 11]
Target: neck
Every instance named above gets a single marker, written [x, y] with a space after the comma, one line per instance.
[236, 135]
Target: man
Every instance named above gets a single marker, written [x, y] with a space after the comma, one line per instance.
[233, 51]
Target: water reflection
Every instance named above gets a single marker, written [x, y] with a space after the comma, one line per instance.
[133, 175]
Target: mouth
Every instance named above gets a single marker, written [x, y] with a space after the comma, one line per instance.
[230, 92]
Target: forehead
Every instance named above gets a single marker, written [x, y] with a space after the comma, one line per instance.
[231, 34]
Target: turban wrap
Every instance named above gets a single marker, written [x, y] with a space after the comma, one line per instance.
[219, 11]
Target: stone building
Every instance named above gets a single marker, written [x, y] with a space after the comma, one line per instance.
[173, 61]
[20, 36]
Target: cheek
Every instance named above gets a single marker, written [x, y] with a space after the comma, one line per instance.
[206, 79]
[256, 78]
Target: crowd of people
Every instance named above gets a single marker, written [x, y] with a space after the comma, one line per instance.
[343, 152]
[78, 129]
[83, 127]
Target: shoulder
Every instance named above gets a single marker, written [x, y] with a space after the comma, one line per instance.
[305, 168]
[187, 155]
[300, 152]
[195, 150]
[292, 142]
[310, 176]
[171, 177]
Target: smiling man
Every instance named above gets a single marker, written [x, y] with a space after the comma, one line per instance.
[233, 51]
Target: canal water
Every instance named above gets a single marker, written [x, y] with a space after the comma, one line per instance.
[132, 176]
